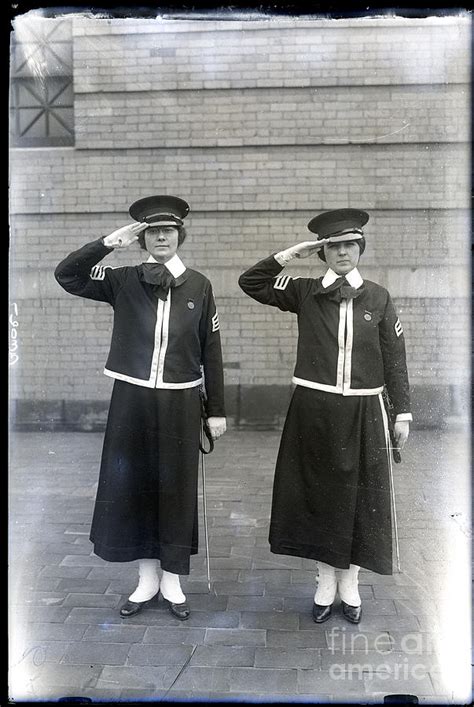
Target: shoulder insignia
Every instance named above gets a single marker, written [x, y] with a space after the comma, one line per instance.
[398, 328]
[215, 322]
[98, 272]
[281, 282]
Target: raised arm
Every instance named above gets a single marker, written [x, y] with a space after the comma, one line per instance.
[264, 283]
[80, 275]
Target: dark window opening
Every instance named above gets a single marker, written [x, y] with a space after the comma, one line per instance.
[42, 94]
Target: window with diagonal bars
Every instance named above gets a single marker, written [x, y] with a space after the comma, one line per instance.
[42, 95]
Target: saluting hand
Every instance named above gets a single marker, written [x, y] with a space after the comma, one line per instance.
[125, 236]
[401, 430]
[217, 426]
[300, 250]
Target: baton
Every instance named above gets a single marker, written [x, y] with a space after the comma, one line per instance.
[385, 405]
[204, 506]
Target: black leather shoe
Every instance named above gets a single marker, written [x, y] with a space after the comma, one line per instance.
[179, 611]
[352, 613]
[130, 608]
[321, 613]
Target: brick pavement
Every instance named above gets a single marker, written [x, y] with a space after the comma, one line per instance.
[252, 638]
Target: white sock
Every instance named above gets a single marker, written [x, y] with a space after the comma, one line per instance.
[327, 585]
[348, 585]
[171, 588]
[148, 581]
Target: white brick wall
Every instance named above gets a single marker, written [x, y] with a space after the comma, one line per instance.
[259, 125]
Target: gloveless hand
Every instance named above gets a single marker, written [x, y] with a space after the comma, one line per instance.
[124, 236]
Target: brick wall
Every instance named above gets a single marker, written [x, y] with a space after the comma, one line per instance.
[259, 125]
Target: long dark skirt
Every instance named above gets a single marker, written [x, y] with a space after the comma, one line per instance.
[146, 504]
[331, 494]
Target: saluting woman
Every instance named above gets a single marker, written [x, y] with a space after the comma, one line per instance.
[165, 347]
[331, 495]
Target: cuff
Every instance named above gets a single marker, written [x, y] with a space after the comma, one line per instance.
[282, 258]
[109, 247]
[404, 416]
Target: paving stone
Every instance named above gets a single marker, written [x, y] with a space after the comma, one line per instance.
[417, 642]
[68, 549]
[379, 607]
[55, 632]
[95, 600]
[231, 563]
[296, 639]
[47, 614]
[49, 544]
[207, 602]
[172, 635]
[64, 572]
[95, 653]
[374, 661]
[407, 607]
[267, 576]
[350, 639]
[77, 676]
[43, 598]
[269, 620]
[292, 658]
[222, 575]
[299, 605]
[346, 687]
[157, 677]
[222, 655]
[113, 570]
[213, 619]
[154, 654]
[195, 678]
[235, 637]
[81, 561]
[87, 586]
[110, 633]
[273, 563]
[239, 588]
[263, 680]
[254, 603]
[121, 586]
[291, 590]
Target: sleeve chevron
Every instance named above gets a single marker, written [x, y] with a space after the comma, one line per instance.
[398, 328]
[215, 322]
[98, 272]
[281, 282]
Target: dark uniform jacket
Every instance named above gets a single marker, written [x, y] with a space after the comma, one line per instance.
[156, 343]
[349, 347]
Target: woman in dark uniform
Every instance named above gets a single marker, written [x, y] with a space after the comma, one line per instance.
[331, 495]
[165, 348]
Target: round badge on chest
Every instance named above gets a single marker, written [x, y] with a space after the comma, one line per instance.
[368, 317]
[190, 304]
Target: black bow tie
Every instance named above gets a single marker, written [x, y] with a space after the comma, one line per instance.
[158, 275]
[341, 289]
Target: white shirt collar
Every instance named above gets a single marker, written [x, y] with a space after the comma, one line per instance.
[353, 278]
[175, 265]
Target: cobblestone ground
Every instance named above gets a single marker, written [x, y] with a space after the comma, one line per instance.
[252, 637]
